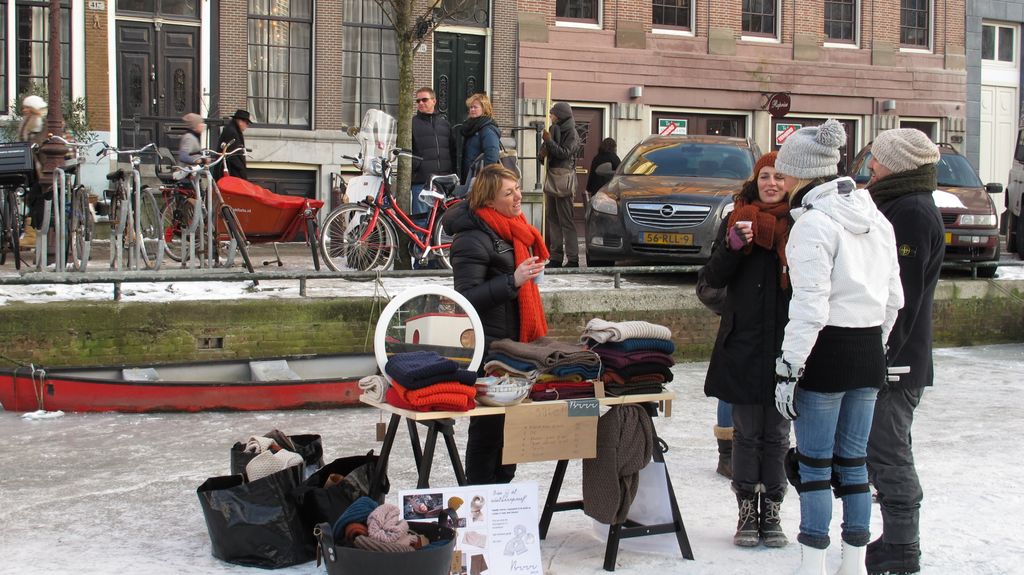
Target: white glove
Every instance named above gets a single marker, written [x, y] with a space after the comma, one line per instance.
[786, 378]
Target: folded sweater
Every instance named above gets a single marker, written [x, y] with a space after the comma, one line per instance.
[602, 331]
[418, 365]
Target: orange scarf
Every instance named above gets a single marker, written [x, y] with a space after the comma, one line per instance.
[523, 237]
[770, 223]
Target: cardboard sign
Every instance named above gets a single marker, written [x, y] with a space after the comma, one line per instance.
[548, 432]
[668, 126]
[496, 527]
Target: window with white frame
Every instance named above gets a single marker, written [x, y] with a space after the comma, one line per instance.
[577, 10]
[671, 13]
[915, 23]
[280, 61]
[370, 61]
[998, 43]
[841, 21]
[32, 34]
[760, 18]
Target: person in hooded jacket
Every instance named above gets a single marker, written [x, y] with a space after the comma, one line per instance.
[496, 257]
[749, 260]
[606, 154]
[846, 294]
[191, 144]
[481, 137]
[903, 167]
[559, 148]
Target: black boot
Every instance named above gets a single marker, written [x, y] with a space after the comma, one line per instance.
[771, 521]
[893, 559]
[724, 436]
[747, 526]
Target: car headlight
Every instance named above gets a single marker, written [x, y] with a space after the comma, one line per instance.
[987, 220]
[603, 203]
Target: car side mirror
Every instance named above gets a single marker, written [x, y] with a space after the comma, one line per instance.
[604, 169]
[994, 188]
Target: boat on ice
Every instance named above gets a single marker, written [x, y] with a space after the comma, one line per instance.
[300, 382]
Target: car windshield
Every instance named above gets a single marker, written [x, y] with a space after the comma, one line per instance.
[689, 159]
[953, 171]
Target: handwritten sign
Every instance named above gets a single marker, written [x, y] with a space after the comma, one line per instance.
[547, 432]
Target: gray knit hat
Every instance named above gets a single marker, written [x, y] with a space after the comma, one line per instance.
[904, 149]
[812, 152]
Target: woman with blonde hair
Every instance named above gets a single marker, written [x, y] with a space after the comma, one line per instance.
[496, 255]
[480, 137]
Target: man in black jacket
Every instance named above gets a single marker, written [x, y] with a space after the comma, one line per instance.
[432, 141]
[231, 137]
[903, 168]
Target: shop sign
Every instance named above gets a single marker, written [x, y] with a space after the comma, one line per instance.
[676, 126]
[778, 104]
[783, 131]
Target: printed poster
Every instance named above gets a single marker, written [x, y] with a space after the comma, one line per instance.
[497, 525]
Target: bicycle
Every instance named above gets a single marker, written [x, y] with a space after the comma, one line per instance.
[364, 235]
[78, 221]
[17, 174]
[191, 235]
[135, 213]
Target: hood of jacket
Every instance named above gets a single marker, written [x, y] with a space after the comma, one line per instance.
[840, 200]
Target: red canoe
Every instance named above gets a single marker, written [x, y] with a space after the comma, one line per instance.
[233, 385]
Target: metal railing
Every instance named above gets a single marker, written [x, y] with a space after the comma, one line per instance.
[117, 279]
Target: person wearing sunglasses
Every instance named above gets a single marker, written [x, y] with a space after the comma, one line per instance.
[432, 143]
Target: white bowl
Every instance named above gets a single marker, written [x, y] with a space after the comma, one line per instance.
[502, 391]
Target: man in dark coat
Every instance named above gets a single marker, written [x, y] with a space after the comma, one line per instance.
[903, 167]
[560, 145]
[231, 138]
[432, 142]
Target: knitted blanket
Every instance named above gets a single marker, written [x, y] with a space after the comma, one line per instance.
[552, 378]
[374, 386]
[633, 389]
[616, 359]
[437, 397]
[513, 362]
[603, 331]
[640, 369]
[584, 371]
[636, 344]
[417, 365]
[462, 376]
[625, 444]
[543, 351]
[612, 377]
[497, 367]
[561, 390]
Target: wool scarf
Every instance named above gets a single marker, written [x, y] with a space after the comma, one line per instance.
[523, 237]
[770, 223]
[922, 179]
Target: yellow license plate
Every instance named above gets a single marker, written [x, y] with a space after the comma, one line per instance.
[949, 238]
[666, 239]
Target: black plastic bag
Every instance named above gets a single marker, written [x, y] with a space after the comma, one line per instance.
[319, 504]
[309, 446]
[435, 560]
[256, 524]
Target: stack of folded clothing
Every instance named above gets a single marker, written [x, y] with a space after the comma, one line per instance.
[426, 381]
[561, 370]
[637, 355]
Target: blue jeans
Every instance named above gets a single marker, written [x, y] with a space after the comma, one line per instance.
[419, 206]
[834, 424]
[724, 414]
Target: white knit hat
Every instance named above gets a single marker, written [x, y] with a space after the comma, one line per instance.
[34, 102]
[812, 152]
[904, 149]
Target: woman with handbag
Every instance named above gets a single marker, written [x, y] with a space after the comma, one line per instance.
[750, 261]
[560, 145]
[496, 257]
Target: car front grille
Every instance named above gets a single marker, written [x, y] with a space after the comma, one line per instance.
[667, 216]
[948, 219]
[665, 250]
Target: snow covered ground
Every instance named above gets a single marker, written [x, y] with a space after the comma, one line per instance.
[108, 493]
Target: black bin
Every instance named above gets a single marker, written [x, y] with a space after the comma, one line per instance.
[341, 560]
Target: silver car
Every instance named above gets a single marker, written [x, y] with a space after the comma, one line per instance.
[666, 201]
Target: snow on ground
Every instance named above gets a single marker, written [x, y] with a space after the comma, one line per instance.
[101, 493]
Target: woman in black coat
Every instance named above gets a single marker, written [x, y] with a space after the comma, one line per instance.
[606, 154]
[749, 260]
[496, 254]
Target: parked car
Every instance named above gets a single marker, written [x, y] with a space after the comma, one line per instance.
[666, 201]
[968, 212]
[1014, 192]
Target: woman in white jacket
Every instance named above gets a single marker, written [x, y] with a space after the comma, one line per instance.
[846, 292]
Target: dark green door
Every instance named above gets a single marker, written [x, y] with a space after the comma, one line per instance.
[458, 72]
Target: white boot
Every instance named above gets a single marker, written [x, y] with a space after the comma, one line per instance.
[812, 561]
[853, 560]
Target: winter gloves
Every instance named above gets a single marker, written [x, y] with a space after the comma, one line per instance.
[786, 378]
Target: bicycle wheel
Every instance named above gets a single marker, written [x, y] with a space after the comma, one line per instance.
[347, 244]
[175, 220]
[235, 230]
[150, 223]
[439, 237]
[9, 229]
[312, 236]
[81, 228]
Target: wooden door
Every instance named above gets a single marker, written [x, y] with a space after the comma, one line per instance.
[458, 72]
[177, 77]
[590, 126]
[135, 78]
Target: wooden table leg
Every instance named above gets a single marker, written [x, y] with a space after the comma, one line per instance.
[552, 500]
[448, 431]
[428, 456]
[414, 438]
[382, 461]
